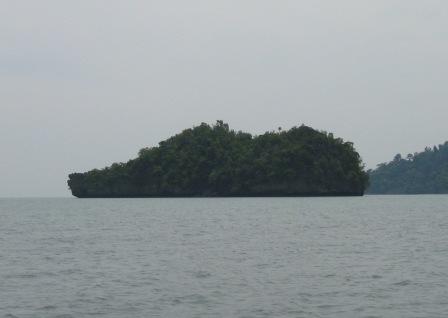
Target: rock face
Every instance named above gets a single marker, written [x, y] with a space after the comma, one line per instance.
[216, 161]
[420, 173]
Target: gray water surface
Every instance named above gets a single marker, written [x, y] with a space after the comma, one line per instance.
[373, 256]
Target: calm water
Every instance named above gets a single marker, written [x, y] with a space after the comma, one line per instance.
[376, 256]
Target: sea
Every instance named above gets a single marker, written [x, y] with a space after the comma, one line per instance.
[371, 256]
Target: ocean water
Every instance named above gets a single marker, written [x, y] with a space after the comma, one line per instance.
[372, 256]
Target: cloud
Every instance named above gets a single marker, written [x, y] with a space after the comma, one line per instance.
[87, 83]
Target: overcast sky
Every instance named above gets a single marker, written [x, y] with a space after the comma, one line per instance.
[86, 83]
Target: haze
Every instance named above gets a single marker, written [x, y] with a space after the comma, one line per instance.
[87, 83]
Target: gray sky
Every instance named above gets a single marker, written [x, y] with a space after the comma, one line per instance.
[87, 83]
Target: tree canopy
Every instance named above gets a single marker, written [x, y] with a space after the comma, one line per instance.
[217, 161]
[418, 173]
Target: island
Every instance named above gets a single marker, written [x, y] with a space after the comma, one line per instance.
[213, 160]
[423, 172]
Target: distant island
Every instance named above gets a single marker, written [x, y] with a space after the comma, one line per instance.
[419, 173]
[217, 161]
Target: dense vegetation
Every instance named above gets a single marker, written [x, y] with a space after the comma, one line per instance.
[216, 161]
[424, 172]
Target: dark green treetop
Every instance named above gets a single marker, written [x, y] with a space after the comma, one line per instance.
[217, 161]
[418, 173]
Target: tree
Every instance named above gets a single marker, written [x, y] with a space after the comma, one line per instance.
[217, 161]
[397, 157]
[423, 172]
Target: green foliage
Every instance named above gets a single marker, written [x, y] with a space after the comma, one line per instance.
[424, 172]
[217, 161]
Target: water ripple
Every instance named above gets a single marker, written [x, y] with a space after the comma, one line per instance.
[245, 257]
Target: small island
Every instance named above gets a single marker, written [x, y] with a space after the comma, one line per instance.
[213, 160]
[423, 172]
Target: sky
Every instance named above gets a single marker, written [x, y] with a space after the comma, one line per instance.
[87, 83]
